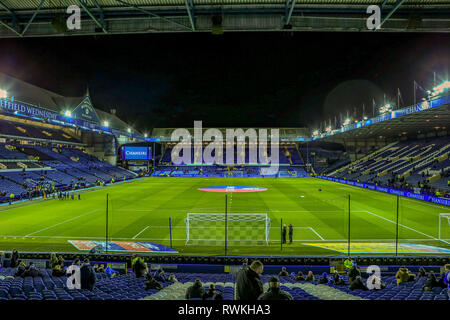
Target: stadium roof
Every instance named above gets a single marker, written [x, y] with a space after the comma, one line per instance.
[418, 121]
[31, 18]
[48, 100]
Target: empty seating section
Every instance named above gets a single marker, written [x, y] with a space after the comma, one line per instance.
[17, 129]
[288, 155]
[128, 287]
[406, 164]
[46, 166]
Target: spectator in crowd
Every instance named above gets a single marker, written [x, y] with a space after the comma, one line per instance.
[87, 276]
[109, 271]
[151, 283]
[324, 278]
[431, 282]
[53, 260]
[336, 276]
[161, 276]
[20, 269]
[300, 276]
[340, 282]
[140, 268]
[31, 271]
[353, 272]
[310, 276]
[404, 275]
[422, 272]
[14, 258]
[61, 261]
[172, 278]
[358, 283]
[348, 263]
[195, 291]
[217, 296]
[248, 284]
[2, 258]
[274, 292]
[57, 271]
[99, 268]
[283, 272]
[211, 292]
[245, 263]
[446, 278]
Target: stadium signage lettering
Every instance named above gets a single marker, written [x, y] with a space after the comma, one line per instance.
[445, 202]
[29, 110]
[257, 147]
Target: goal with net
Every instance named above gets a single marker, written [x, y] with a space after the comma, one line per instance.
[237, 229]
[444, 227]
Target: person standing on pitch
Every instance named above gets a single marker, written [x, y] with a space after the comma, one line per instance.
[291, 233]
[284, 234]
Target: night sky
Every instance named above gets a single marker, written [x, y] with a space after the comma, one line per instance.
[233, 80]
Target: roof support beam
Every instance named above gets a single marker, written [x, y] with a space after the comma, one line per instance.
[100, 24]
[289, 8]
[14, 27]
[397, 5]
[190, 11]
[32, 17]
[152, 14]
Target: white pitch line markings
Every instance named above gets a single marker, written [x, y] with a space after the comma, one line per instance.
[65, 221]
[137, 235]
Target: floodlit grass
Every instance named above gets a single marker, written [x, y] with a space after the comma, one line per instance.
[140, 211]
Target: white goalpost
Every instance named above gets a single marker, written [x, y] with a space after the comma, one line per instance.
[444, 227]
[237, 229]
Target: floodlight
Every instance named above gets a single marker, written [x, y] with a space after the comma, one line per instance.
[3, 94]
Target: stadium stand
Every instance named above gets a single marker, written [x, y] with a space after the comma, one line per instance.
[404, 165]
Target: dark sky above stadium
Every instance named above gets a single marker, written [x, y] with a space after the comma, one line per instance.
[233, 80]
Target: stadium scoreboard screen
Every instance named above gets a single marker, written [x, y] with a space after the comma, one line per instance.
[136, 153]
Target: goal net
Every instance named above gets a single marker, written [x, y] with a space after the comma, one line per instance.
[444, 227]
[238, 229]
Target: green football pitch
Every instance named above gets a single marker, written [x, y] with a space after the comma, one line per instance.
[323, 221]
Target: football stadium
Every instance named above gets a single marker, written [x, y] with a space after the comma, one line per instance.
[352, 202]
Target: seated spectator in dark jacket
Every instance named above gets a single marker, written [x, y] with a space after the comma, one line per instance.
[217, 296]
[358, 283]
[14, 262]
[195, 291]
[422, 272]
[61, 261]
[211, 292]
[353, 273]
[335, 277]
[283, 272]
[151, 283]
[248, 283]
[31, 271]
[57, 271]
[274, 292]
[310, 276]
[140, 268]
[324, 278]
[300, 276]
[431, 282]
[87, 276]
[20, 269]
[340, 282]
[161, 276]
